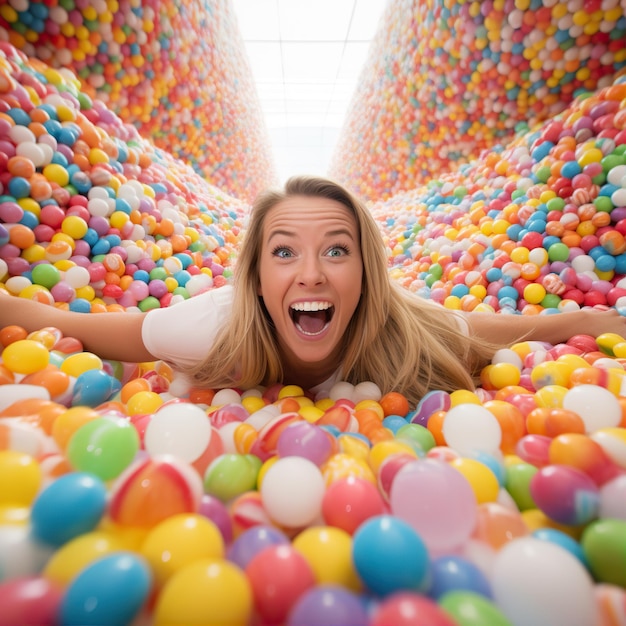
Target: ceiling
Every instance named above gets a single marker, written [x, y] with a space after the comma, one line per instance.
[306, 57]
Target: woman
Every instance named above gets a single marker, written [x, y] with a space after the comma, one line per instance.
[312, 304]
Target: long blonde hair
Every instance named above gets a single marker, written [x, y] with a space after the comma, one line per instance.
[397, 340]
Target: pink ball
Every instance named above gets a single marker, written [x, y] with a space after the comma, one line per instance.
[348, 502]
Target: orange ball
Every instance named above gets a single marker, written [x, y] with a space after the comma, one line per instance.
[394, 403]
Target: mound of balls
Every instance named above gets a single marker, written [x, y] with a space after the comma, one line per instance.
[175, 69]
[123, 502]
[446, 80]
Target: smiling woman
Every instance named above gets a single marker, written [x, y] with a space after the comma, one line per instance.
[312, 303]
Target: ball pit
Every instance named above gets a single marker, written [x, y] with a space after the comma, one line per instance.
[445, 80]
[444, 530]
[175, 70]
[342, 503]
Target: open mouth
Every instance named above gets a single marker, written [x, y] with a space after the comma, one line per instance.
[311, 318]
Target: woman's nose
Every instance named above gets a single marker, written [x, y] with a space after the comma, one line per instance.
[311, 272]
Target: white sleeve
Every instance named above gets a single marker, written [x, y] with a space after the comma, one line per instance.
[184, 333]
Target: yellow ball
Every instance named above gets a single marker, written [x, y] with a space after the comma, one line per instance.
[463, 396]
[209, 591]
[76, 364]
[25, 356]
[20, 478]
[179, 541]
[384, 449]
[328, 550]
[76, 554]
[534, 293]
[482, 480]
[504, 374]
[143, 403]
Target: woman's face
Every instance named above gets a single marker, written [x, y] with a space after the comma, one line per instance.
[310, 272]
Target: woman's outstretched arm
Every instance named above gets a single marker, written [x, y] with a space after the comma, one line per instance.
[114, 336]
[553, 329]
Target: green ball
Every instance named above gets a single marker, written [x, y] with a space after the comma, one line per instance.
[416, 433]
[231, 475]
[543, 173]
[149, 303]
[551, 301]
[46, 275]
[104, 447]
[604, 545]
[558, 252]
[517, 479]
[471, 609]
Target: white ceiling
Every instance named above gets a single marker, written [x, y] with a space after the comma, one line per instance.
[306, 57]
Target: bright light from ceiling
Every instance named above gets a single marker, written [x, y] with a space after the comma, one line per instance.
[306, 57]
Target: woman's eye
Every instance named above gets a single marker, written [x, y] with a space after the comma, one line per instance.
[337, 251]
[282, 253]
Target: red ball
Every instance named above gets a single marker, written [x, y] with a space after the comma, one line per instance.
[532, 240]
[278, 575]
[410, 609]
[348, 502]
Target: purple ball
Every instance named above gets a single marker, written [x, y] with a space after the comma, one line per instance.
[215, 510]
[329, 605]
[305, 440]
[252, 541]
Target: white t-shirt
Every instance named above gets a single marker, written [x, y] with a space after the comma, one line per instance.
[184, 333]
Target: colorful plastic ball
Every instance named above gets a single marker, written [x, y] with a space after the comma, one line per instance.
[604, 545]
[21, 554]
[25, 356]
[178, 541]
[613, 498]
[20, 478]
[112, 590]
[30, 600]
[104, 447]
[182, 429]
[517, 484]
[565, 494]
[328, 551]
[444, 514]
[469, 428]
[292, 491]
[71, 505]
[231, 475]
[456, 573]
[468, 608]
[94, 387]
[279, 575]
[497, 524]
[151, 490]
[330, 605]
[73, 556]
[305, 440]
[562, 539]
[526, 568]
[389, 556]
[597, 406]
[251, 541]
[481, 478]
[350, 501]
[409, 609]
[209, 591]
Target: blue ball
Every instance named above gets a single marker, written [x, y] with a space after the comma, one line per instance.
[330, 605]
[70, 506]
[561, 539]
[94, 387]
[390, 556]
[111, 590]
[454, 573]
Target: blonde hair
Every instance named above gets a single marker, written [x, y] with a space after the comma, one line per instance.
[396, 339]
